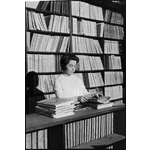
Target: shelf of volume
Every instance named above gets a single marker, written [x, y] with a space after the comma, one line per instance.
[87, 36]
[88, 19]
[98, 21]
[46, 12]
[102, 142]
[35, 122]
[68, 34]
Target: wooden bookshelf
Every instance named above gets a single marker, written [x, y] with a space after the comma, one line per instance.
[36, 121]
[112, 42]
[55, 128]
[95, 4]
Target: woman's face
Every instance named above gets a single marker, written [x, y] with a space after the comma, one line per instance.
[71, 67]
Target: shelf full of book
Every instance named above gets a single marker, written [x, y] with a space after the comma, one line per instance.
[52, 31]
[83, 127]
[96, 34]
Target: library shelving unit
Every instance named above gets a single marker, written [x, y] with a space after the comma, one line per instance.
[95, 32]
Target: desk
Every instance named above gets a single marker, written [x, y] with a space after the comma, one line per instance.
[54, 130]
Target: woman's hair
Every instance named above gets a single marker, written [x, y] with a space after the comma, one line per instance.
[65, 60]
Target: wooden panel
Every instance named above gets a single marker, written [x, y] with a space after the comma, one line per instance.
[36, 122]
[121, 145]
[57, 134]
[56, 137]
[120, 122]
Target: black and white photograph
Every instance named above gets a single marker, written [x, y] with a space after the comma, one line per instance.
[75, 74]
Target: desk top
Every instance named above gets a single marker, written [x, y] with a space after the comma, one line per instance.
[38, 122]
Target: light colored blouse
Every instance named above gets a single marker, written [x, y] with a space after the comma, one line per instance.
[69, 86]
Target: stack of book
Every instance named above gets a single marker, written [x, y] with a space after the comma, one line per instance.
[98, 103]
[56, 107]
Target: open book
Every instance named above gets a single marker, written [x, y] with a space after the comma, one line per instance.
[98, 103]
[97, 106]
[101, 100]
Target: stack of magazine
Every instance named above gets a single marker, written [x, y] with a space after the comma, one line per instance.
[98, 103]
[56, 107]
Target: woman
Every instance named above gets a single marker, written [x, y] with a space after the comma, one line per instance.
[69, 85]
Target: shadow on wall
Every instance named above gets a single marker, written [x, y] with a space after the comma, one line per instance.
[33, 94]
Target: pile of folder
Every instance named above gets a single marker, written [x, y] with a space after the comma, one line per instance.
[56, 107]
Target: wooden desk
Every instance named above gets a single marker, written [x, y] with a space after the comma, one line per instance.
[55, 128]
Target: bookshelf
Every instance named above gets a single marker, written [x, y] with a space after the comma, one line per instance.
[95, 32]
[59, 133]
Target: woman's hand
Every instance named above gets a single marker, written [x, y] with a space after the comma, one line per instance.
[98, 95]
[82, 99]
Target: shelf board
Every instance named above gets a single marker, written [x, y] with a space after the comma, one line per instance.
[62, 53]
[114, 24]
[89, 71]
[112, 39]
[78, 71]
[87, 36]
[91, 54]
[47, 32]
[112, 70]
[89, 19]
[120, 54]
[113, 85]
[101, 143]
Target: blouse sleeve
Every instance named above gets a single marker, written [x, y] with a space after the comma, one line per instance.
[84, 90]
[58, 89]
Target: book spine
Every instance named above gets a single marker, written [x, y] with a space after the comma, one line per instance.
[34, 140]
[28, 141]
[40, 139]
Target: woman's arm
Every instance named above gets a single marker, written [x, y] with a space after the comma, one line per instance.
[58, 89]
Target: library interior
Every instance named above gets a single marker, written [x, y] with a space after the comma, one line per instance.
[75, 81]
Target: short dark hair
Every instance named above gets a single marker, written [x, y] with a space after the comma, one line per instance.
[65, 60]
